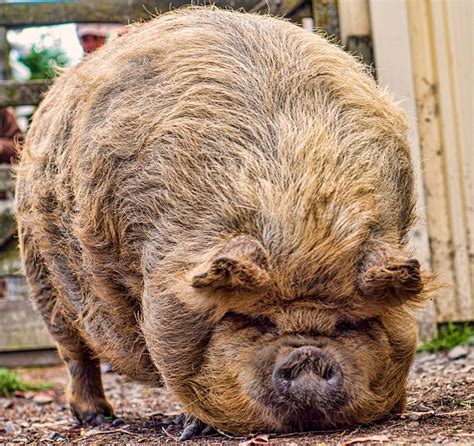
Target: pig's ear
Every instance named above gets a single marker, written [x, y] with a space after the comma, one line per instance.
[241, 265]
[389, 275]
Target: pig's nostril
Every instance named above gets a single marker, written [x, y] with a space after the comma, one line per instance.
[285, 374]
[329, 372]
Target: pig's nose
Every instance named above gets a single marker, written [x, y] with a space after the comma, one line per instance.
[308, 378]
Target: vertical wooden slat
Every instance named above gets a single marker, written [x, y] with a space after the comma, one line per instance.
[429, 124]
[394, 70]
[460, 21]
[4, 52]
[354, 24]
[326, 17]
[354, 18]
[390, 31]
[451, 22]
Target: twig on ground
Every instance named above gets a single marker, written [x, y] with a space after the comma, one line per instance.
[432, 413]
[228, 436]
[112, 431]
[169, 435]
[369, 439]
[453, 414]
[427, 391]
[307, 433]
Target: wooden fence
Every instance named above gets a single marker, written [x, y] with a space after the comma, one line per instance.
[424, 53]
[442, 53]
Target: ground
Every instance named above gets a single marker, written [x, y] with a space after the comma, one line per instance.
[441, 399]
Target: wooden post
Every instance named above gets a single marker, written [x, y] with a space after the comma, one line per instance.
[326, 17]
[22, 93]
[3, 41]
[4, 53]
[354, 22]
[354, 18]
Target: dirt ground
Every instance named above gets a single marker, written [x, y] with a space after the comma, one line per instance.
[440, 410]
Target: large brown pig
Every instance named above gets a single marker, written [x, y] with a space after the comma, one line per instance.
[220, 202]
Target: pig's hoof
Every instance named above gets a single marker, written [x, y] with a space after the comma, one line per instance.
[192, 427]
[93, 417]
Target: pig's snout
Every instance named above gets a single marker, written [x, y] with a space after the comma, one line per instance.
[308, 378]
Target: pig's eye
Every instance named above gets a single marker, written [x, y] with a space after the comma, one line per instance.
[357, 325]
[240, 321]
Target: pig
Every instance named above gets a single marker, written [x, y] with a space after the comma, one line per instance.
[220, 203]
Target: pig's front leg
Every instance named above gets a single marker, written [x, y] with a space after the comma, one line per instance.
[85, 393]
[193, 427]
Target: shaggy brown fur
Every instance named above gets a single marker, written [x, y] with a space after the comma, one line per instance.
[210, 193]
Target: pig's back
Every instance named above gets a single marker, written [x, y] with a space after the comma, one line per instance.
[203, 123]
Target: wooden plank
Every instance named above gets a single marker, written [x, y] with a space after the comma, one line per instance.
[354, 24]
[16, 287]
[4, 52]
[29, 14]
[30, 358]
[460, 20]
[115, 11]
[10, 264]
[22, 93]
[22, 327]
[354, 19]
[298, 11]
[429, 124]
[390, 31]
[450, 99]
[326, 17]
[7, 231]
[7, 182]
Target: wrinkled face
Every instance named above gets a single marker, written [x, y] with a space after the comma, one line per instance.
[280, 379]
[243, 358]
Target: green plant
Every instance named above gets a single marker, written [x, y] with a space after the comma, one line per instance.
[10, 382]
[448, 337]
[41, 60]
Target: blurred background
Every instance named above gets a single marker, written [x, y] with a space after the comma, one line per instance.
[421, 50]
